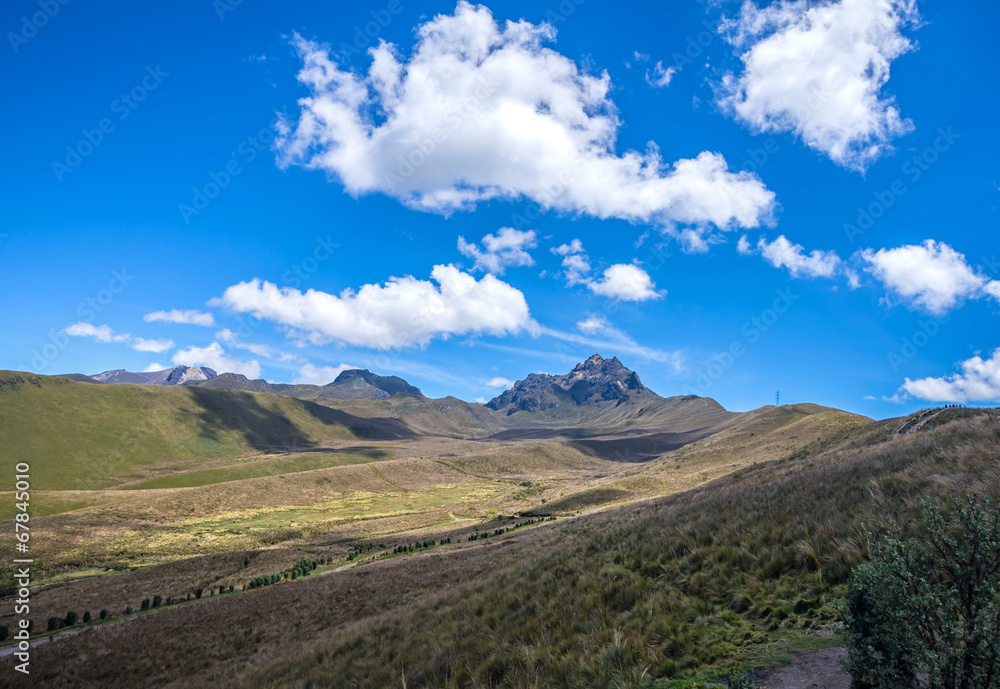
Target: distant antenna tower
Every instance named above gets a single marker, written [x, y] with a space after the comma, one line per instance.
[777, 398]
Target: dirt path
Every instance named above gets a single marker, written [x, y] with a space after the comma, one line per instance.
[820, 670]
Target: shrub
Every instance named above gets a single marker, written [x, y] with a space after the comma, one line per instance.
[157, 601]
[929, 604]
[54, 624]
[86, 616]
[145, 604]
[741, 680]
[71, 618]
[4, 632]
[128, 609]
[198, 592]
[103, 614]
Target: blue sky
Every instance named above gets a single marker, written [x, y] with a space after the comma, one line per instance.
[733, 199]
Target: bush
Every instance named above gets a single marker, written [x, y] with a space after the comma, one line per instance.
[929, 604]
[86, 616]
[128, 609]
[157, 601]
[103, 614]
[198, 592]
[4, 632]
[71, 618]
[145, 604]
[741, 680]
[54, 624]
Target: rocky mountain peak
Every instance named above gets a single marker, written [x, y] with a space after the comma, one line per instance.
[593, 382]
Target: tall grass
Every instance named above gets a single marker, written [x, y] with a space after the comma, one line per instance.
[663, 589]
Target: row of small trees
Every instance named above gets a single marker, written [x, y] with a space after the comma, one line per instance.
[55, 623]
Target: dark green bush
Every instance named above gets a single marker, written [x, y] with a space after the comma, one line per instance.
[929, 604]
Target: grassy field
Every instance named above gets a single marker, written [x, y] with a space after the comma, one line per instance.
[687, 585]
[85, 436]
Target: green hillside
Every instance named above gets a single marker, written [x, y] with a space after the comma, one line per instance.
[682, 586]
[80, 436]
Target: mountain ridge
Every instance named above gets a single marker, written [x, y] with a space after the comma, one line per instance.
[590, 383]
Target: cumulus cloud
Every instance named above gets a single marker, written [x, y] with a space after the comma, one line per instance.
[626, 282]
[932, 276]
[575, 262]
[215, 357]
[180, 316]
[781, 253]
[818, 70]
[403, 312]
[977, 381]
[480, 111]
[141, 344]
[622, 281]
[508, 247]
[100, 333]
[320, 375]
[500, 382]
[154, 367]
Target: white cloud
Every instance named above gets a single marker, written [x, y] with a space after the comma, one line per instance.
[100, 333]
[141, 344]
[401, 313]
[594, 325]
[782, 253]
[575, 262]
[574, 247]
[179, 316]
[214, 357]
[230, 338]
[743, 246]
[153, 367]
[626, 282]
[506, 248]
[596, 333]
[660, 76]
[622, 281]
[482, 111]
[500, 382]
[977, 381]
[320, 375]
[932, 276]
[818, 70]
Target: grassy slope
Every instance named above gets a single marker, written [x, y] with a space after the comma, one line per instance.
[668, 587]
[83, 436]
